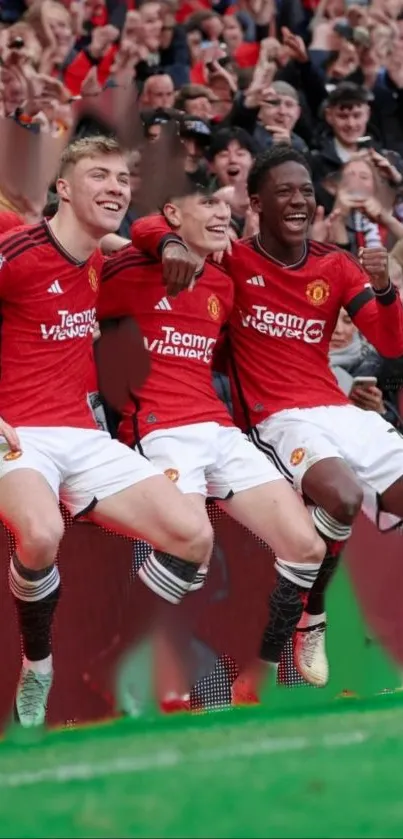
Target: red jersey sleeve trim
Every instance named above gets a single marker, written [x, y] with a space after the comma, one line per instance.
[22, 240]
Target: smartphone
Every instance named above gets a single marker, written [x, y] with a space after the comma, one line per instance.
[364, 381]
[364, 142]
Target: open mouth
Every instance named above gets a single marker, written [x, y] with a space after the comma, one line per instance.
[110, 206]
[296, 221]
[218, 230]
[233, 171]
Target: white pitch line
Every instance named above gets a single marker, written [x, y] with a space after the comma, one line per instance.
[167, 759]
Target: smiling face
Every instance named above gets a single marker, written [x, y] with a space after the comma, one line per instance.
[280, 109]
[97, 188]
[151, 25]
[59, 21]
[201, 221]
[349, 122]
[286, 204]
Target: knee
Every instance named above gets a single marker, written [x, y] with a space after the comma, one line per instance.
[346, 504]
[38, 542]
[312, 549]
[200, 540]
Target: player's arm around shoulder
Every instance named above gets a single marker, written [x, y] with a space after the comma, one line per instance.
[121, 274]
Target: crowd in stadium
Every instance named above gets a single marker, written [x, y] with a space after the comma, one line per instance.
[257, 160]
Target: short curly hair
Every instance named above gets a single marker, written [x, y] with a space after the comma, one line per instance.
[278, 154]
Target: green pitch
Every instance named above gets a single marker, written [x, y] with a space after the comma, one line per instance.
[335, 773]
[306, 764]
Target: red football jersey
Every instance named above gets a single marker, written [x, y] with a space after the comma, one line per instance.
[9, 221]
[180, 334]
[47, 321]
[283, 319]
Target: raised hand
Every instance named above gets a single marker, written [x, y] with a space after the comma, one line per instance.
[375, 262]
[295, 46]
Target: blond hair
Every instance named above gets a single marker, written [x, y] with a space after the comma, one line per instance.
[88, 147]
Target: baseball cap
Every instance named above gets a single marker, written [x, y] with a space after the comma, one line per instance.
[192, 126]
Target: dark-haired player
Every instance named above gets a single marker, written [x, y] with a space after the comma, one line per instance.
[177, 420]
[288, 294]
[50, 445]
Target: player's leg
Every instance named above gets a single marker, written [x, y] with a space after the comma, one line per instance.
[379, 456]
[313, 459]
[374, 452]
[119, 489]
[131, 495]
[29, 508]
[264, 502]
[182, 454]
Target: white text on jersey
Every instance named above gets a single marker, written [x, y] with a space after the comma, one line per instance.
[284, 325]
[182, 344]
[71, 325]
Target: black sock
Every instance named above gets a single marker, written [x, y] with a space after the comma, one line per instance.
[36, 594]
[336, 535]
[285, 612]
[168, 576]
[315, 603]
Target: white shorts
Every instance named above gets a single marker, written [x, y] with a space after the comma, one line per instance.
[207, 458]
[296, 439]
[81, 465]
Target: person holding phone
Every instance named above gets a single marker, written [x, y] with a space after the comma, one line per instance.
[347, 131]
[347, 359]
[363, 207]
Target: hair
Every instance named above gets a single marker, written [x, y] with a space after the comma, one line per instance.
[191, 91]
[285, 89]
[33, 17]
[196, 20]
[275, 156]
[88, 147]
[348, 94]
[224, 136]
[188, 188]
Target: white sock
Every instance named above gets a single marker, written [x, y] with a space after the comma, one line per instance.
[42, 667]
[311, 620]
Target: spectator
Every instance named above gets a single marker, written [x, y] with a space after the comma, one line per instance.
[158, 92]
[277, 117]
[196, 137]
[195, 100]
[362, 219]
[230, 156]
[347, 114]
[351, 357]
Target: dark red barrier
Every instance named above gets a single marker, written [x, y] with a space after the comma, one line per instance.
[101, 598]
